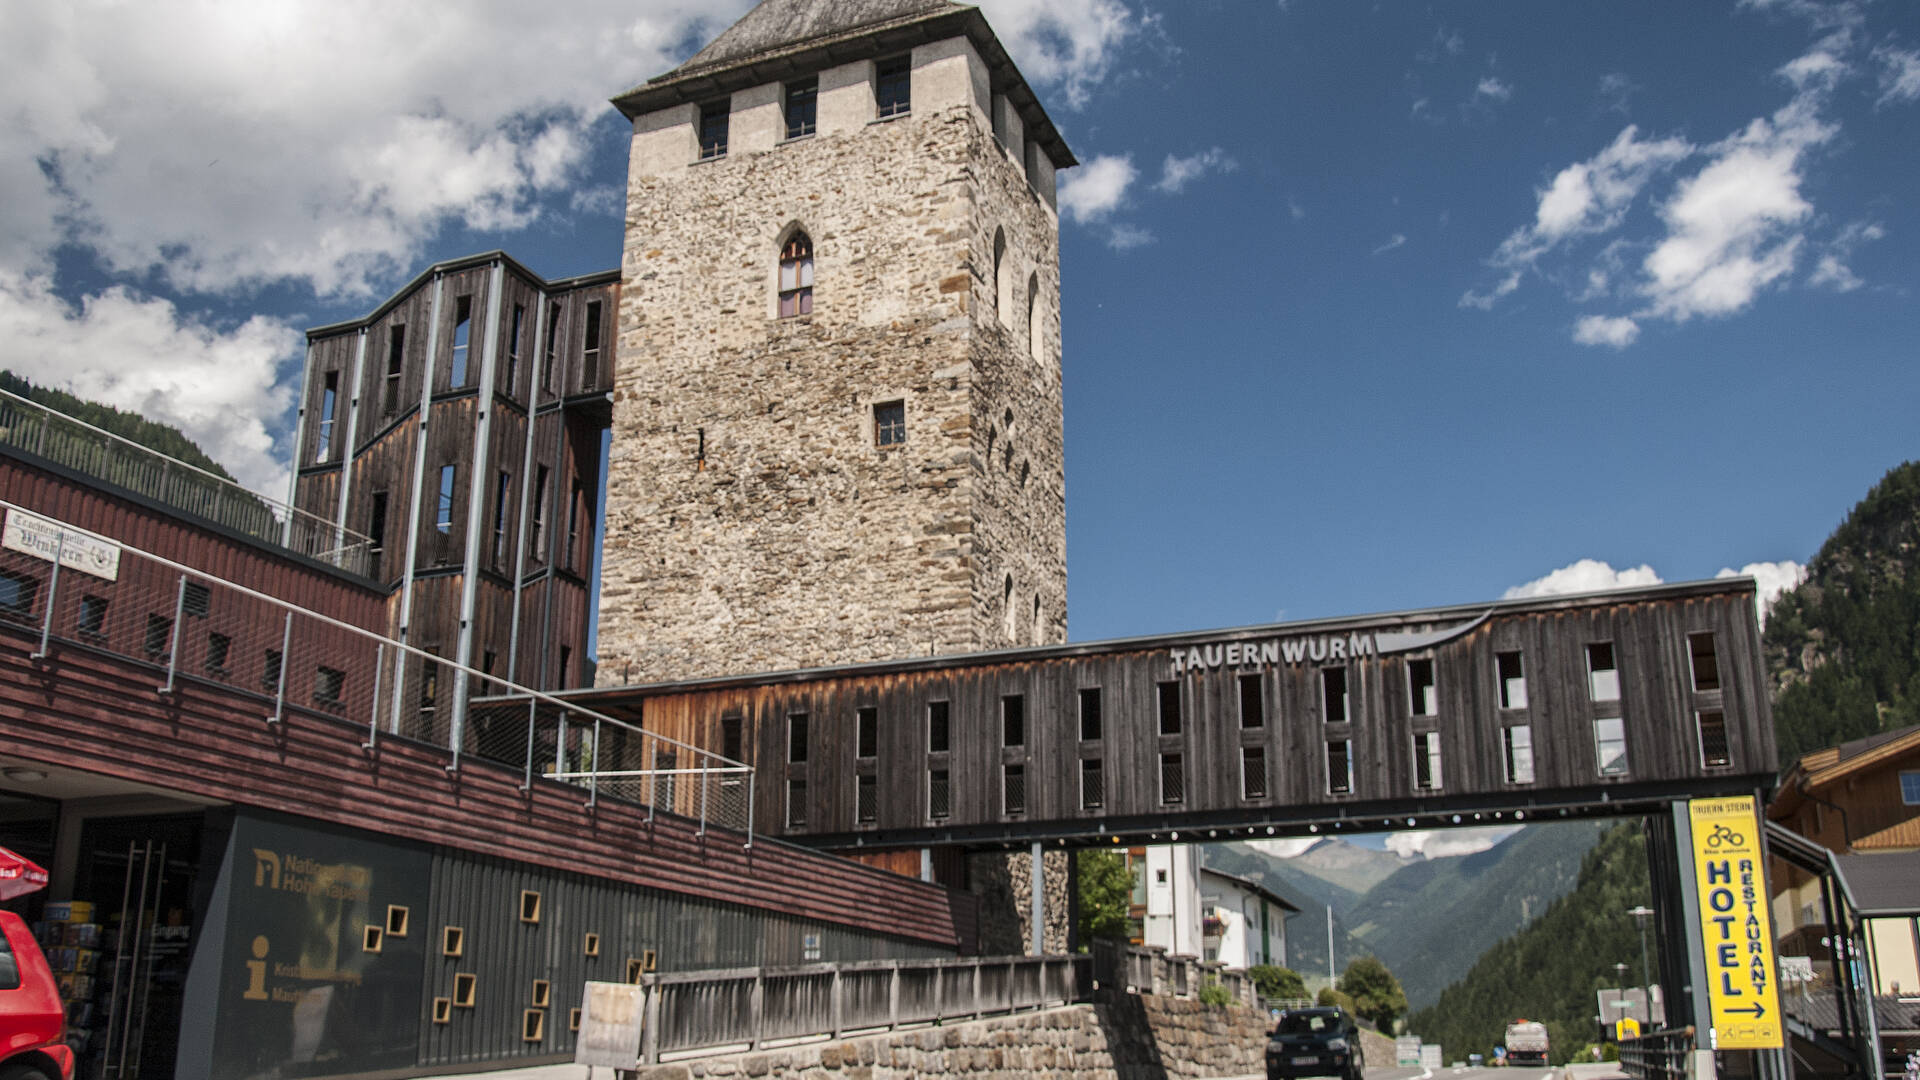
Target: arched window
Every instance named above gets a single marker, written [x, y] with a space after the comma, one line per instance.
[1039, 627]
[1001, 275]
[1036, 336]
[796, 276]
[1011, 613]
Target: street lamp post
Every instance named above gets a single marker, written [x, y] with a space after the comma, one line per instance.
[1640, 915]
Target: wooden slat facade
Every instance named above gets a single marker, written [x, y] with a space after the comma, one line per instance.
[1658, 710]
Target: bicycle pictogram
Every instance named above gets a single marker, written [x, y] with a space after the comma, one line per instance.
[1722, 835]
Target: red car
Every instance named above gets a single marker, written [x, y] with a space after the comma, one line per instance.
[31, 1016]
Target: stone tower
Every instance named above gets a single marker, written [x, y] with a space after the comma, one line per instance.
[836, 429]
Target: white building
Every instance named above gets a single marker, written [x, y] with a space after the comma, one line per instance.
[1243, 923]
[1166, 897]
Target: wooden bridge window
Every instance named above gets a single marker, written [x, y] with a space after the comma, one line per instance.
[443, 516]
[1603, 677]
[866, 802]
[1092, 789]
[1519, 753]
[1013, 720]
[1333, 695]
[1253, 711]
[1513, 680]
[1013, 788]
[1422, 693]
[867, 735]
[1173, 779]
[1610, 745]
[937, 742]
[1426, 760]
[1713, 738]
[1253, 772]
[1339, 768]
[796, 803]
[797, 738]
[1169, 697]
[329, 395]
[1090, 714]
[1706, 662]
[939, 795]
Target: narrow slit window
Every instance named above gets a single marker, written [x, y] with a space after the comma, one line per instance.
[1333, 695]
[797, 738]
[329, 395]
[1426, 761]
[893, 86]
[939, 795]
[196, 600]
[1603, 677]
[552, 351]
[376, 533]
[867, 734]
[540, 513]
[590, 352]
[328, 685]
[270, 664]
[575, 510]
[1610, 745]
[1173, 780]
[159, 635]
[1090, 714]
[443, 513]
[17, 593]
[1705, 662]
[1253, 772]
[1013, 720]
[890, 423]
[1253, 712]
[803, 102]
[1423, 696]
[514, 341]
[730, 738]
[1513, 680]
[866, 799]
[1519, 753]
[796, 277]
[462, 327]
[1092, 789]
[1168, 696]
[713, 128]
[396, 363]
[429, 686]
[1034, 336]
[502, 492]
[1013, 788]
[1339, 768]
[1713, 739]
[796, 803]
[937, 742]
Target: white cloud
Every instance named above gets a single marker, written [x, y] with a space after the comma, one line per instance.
[1123, 237]
[1447, 843]
[1284, 849]
[219, 385]
[1616, 90]
[1295, 210]
[1771, 579]
[1097, 188]
[1593, 196]
[1615, 330]
[1394, 241]
[1491, 87]
[1485, 301]
[1899, 75]
[1177, 172]
[1066, 43]
[1830, 273]
[1584, 576]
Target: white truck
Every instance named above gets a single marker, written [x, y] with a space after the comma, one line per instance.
[1526, 1042]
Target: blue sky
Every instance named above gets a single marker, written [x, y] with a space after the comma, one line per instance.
[1365, 307]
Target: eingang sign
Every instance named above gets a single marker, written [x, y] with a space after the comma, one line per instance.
[1736, 928]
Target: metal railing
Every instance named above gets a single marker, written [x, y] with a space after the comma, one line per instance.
[1657, 1055]
[73, 588]
[74, 444]
[751, 1008]
[1148, 969]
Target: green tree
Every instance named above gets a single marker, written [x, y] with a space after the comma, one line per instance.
[1106, 888]
[1375, 992]
[1277, 982]
[1328, 996]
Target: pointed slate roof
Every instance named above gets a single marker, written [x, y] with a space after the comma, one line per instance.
[778, 24]
[784, 39]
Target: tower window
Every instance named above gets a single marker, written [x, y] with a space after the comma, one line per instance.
[396, 359]
[1001, 300]
[893, 86]
[513, 347]
[730, 737]
[590, 355]
[329, 396]
[501, 494]
[713, 128]
[462, 326]
[796, 276]
[803, 99]
[890, 423]
[540, 513]
[376, 533]
[553, 346]
[1034, 320]
[443, 517]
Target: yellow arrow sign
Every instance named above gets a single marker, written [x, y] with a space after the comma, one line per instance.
[1736, 927]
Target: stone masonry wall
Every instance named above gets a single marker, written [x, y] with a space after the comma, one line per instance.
[1003, 883]
[1135, 1038]
[751, 522]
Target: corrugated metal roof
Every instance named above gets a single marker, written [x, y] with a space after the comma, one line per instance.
[1817, 1009]
[1882, 884]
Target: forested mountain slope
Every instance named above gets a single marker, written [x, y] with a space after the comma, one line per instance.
[130, 426]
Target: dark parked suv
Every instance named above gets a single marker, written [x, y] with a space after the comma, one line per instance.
[1315, 1042]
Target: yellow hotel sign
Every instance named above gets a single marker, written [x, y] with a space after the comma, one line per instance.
[1735, 925]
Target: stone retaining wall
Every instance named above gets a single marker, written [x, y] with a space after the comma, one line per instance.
[1136, 1038]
